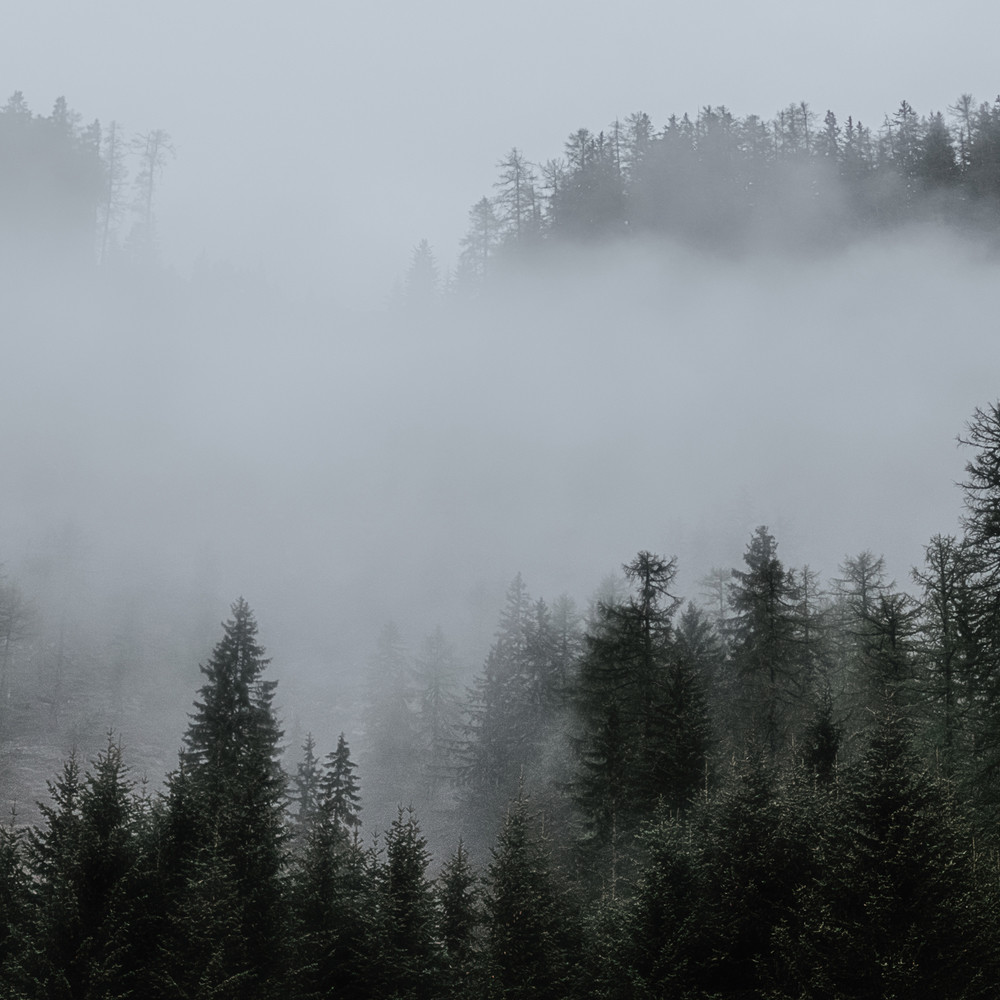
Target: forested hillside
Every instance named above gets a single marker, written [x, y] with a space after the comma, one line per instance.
[789, 789]
[798, 181]
[759, 781]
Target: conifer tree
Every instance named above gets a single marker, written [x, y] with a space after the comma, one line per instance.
[84, 866]
[225, 802]
[895, 908]
[14, 905]
[409, 961]
[333, 913]
[498, 739]
[459, 901]
[645, 728]
[341, 801]
[307, 790]
[764, 640]
[529, 927]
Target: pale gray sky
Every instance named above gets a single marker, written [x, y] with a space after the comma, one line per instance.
[322, 141]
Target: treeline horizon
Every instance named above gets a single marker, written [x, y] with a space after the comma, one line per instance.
[793, 794]
[736, 185]
[713, 181]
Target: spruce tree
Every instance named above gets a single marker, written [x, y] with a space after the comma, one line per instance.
[409, 962]
[14, 905]
[334, 909]
[83, 863]
[459, 902]
[764, 639]
[895, 907]
[529, 926]
[307, 791]
[644, 719]
[341, 795]
[225, 803]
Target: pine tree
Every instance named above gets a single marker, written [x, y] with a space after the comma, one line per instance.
[947, 654]
[409, 958]
[334, 905]
[499, 734]
[529, 928]
[460, 924]
[895, 909]
[15, 912]
[225, 804]
[422, 285]
[645, 731]
[341, 800]
[764, 640]
[307, 790]
[84, 866]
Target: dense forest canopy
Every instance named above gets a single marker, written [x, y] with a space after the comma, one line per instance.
[766, 781]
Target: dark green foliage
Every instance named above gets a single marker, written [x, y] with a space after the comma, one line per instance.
[529, 926]
[645, 734]
[225, 804]
[409, 958]
[84, 866]
[754, 849]
[15, 936]
[662, 943]
[333, 907]
[821, 740]
[765, 641]
[895, 909]
[307, 790]
[459, 901]
[341, 798]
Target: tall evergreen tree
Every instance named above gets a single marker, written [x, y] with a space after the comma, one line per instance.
[765, 641]
[307, 790]
[409, 962]
[895, 909]
[83, 862]
[529, 927]
[225, 803]
[459, 901]
[341, 801]
[644, 722]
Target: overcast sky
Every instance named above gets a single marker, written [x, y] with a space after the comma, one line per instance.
[321, 141]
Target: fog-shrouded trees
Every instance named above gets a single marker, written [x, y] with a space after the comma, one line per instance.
[153, 148]
[389, 759]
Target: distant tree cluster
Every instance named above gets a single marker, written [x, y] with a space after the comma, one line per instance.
[720, 182]
[64, 186]
[790, 792]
